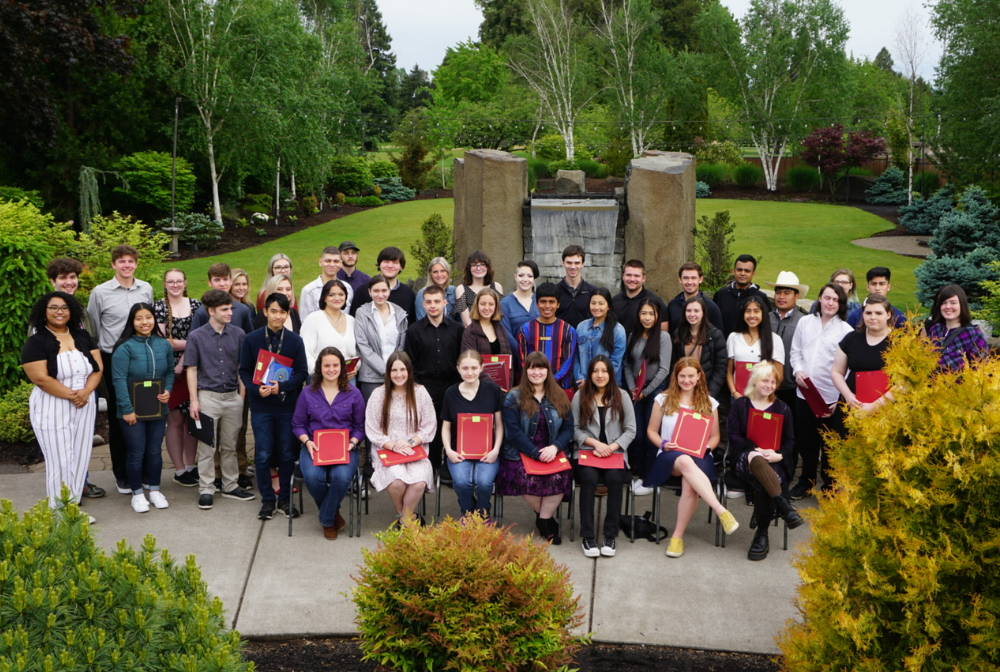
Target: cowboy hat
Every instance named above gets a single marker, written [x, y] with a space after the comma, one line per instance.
[791, 281]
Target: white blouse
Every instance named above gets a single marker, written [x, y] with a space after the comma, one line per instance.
[317, 333]
[738, 350]
[669, 421]
[387, 331]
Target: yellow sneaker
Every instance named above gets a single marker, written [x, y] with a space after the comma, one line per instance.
[729, 523]
[675, 548]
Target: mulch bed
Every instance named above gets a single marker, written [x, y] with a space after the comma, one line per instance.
[344, 655]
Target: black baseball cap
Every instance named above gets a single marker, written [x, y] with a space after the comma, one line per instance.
[348, 245]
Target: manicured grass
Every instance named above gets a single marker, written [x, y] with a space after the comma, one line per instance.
[813, 240]
[397, 224]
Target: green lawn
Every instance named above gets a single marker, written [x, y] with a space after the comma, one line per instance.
[810, 239]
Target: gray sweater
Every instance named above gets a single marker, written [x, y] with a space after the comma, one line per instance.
[369, 339]
[654, 377]
[618, 430]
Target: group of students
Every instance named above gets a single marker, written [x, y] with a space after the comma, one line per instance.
[398, 370]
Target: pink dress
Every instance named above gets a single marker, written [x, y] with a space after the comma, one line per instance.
[400, 429]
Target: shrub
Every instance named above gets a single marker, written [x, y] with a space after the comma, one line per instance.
[900, 573]
[464, 595]
[713, 240]
[382, 169]
[364, 201]
[889, 188]
[726, 152]
[339, 199]
[702, 190]
[711, 174]
[540, 167]
[148, 175]
[802, 178]
[435, 241]
[309, 205]
[413, 137]
[259, 202]
[617, 155]
[68, 605]
[855, 172]
[392, 189]
[199, 229]
[967, 271]
[350, 175]
[922, 216]
[593, 169]
[16, 425]
[550, 147]
[13, 195]
[748, 175]
[926, 183]
[376, 190]
[562, 164]
[94, 250]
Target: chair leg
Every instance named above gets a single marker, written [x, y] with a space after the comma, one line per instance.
[361, 492]
[631, 512]
[572, 509]
[656, 512]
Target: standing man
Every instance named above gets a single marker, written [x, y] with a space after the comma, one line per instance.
[109, 306]
[690, 276]
[391, 262]
[729, 298]
[212, 359]
[272, 403]
[349, 272]
[434, 344]
[784, 318]
[330, 267]
[221, 277]
[573, 291]
[547, 334]
[625, 305]
[878, 283]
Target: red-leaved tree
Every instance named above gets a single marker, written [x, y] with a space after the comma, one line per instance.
[830, 150]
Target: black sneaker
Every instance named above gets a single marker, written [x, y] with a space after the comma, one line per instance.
[91, 491]
[239, 493]
[245, 482]
[283, 507]
[801, 490]
[266, 511]
[122, 487]
[205, 502]
[188, 479]
[608, 549]
[590, 547]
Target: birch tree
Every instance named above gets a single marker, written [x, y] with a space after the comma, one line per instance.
[550, 61]
[780, 64]
[910, 44]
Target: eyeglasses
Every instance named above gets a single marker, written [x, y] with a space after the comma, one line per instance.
[477, 265]
[281, 269]
[173, 282]
[57, 309]
[843, 283]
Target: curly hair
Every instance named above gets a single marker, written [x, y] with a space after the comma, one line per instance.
[317, 376]
[39, 320]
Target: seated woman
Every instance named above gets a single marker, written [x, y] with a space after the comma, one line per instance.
[763, 468]
[687, 390]
[329, 402]
[605, 425]
[400, 416]
[537, 422]
[472, 478]
[952, 332]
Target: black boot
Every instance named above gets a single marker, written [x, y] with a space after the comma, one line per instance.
[787, 512]
[760, 546]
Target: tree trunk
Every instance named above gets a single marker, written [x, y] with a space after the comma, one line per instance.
[294, 195]
[277, 191]
[216, 204]
[569, 142]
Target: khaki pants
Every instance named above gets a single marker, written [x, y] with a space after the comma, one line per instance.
[241, 443]
[226, 408]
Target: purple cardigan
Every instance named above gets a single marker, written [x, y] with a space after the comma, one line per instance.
[347, 411]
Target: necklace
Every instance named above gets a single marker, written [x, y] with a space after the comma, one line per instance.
[58, 333]
[335, 323]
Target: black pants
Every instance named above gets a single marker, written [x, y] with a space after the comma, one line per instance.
[809, 441]
[436, 391]
[613, 478]
[792, 401]
[116, 440]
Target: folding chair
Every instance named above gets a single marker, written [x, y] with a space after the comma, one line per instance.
[356, 491]
[731, 481]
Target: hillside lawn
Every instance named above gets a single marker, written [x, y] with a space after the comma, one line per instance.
[809, 239]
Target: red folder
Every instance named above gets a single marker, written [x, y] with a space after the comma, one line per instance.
[764, 429]
[497, 367]
[571, 392]
[741, 375]
[692, 431]
[539, 468]
[475, 435]
[613, 461]
[352, 364]
[264, 358]
[817, 404]
[870, 385]
[640, 381]
[332, 447]
[391, 457]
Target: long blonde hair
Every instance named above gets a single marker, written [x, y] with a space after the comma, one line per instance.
[236, 273]
[700, 401]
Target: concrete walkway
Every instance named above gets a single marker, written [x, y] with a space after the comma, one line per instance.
[909, 246]
[274, 586]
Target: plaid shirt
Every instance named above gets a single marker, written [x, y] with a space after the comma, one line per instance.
[969, 343]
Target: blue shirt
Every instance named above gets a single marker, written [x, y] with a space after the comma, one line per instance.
[588, 346]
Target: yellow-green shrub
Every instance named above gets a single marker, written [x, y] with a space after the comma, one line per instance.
[464, 596]
[903, 568]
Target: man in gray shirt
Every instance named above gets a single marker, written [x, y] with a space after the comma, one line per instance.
[108, 308]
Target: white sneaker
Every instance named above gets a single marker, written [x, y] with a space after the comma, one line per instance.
[91, 519]
[157, 499]
[139, 504]
[639, 490]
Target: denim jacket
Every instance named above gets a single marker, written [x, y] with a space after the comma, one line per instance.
[588, 346]
[519, 429]
[140, 358]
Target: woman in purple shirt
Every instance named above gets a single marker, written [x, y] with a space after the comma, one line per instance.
[329, 402]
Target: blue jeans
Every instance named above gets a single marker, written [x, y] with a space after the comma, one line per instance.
[327, 485]
[473, 483]
[272, 435]
[143, 440]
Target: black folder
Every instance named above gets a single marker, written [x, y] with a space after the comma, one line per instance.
[203, 429]
[143, 394]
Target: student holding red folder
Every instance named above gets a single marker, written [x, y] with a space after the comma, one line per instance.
[329, 402]
[605, 428]
[762, 437]
[538, 424]
[863, 352]
[687, 391]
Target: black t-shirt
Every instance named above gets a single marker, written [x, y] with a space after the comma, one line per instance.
[488, 400]
[861, 356]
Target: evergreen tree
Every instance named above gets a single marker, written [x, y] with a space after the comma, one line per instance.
[415, 90]
[381, 106]
[883, 59]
